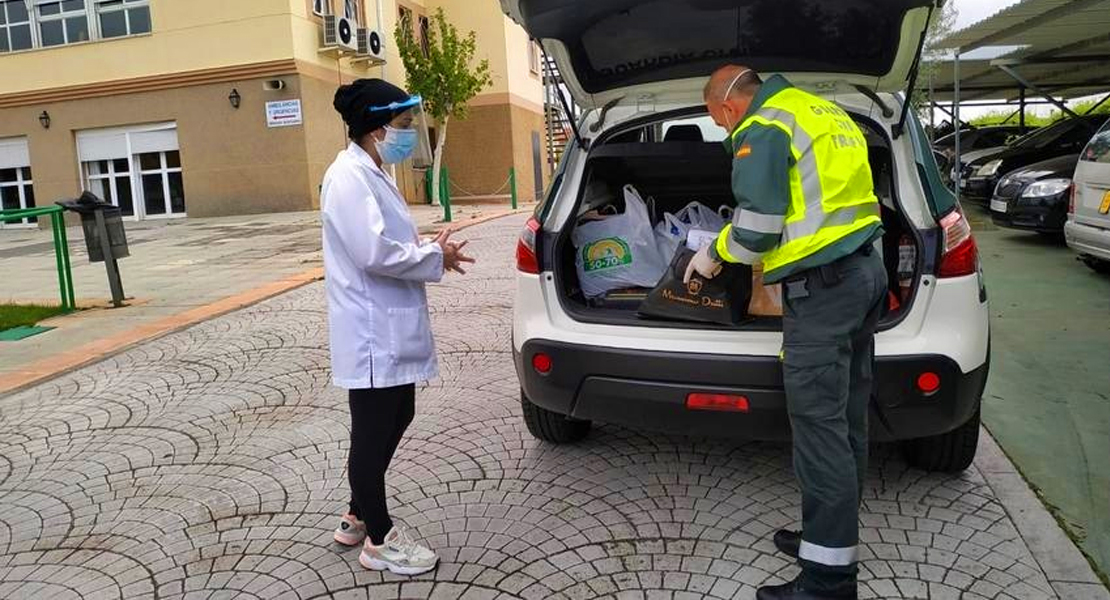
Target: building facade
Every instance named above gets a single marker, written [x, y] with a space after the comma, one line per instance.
[170, 108]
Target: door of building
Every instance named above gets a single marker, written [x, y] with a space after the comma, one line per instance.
[136, 168]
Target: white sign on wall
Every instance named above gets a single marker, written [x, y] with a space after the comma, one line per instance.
[284, 113]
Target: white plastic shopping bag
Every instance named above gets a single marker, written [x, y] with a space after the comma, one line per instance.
[700, 216]
[619, 251]
[670, 233]
[701, 238]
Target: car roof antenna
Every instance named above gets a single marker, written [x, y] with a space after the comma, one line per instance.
[900, 128]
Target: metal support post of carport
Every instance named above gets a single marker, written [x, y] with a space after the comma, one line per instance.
[1021, 114]
[1025, 83]
[956, 120]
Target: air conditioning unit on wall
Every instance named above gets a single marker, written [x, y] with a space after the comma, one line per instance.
[371, 47]
[340, 34]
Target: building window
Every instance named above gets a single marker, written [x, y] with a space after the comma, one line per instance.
[62, 22]
[404, 17]
[163, 189]
[119, 18]
[15, 26]
[321, 7]
[26, 24]
[16, 189]
[17, 192]
[424, 27]
[350, 10]
[534, 57]
[111, 181]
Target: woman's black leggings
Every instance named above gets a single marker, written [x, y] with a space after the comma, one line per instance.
[379, 417]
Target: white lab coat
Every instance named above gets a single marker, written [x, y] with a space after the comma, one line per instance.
[375, 268]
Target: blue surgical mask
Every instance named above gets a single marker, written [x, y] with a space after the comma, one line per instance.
[398, 145]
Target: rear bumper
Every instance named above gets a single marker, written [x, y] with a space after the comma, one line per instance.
[648, 390]
[1086, 239]
[1046, 215]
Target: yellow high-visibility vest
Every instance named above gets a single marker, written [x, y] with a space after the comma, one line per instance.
[831, 188]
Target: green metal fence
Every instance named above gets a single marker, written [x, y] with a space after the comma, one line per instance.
[61, 246]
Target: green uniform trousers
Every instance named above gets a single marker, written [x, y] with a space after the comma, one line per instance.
[830, 315]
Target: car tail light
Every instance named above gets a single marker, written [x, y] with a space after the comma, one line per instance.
[1071, 199]
[720, 402]
[542, 363]
[961, 255]
[526, 259]
[928, 383]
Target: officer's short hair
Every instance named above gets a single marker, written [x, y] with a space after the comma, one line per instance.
[716, 87]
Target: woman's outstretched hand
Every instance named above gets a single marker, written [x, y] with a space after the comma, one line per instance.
[453, 257]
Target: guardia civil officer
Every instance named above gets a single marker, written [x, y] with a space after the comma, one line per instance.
[807, 210]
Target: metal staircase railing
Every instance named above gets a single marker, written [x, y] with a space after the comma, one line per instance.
[558, 121]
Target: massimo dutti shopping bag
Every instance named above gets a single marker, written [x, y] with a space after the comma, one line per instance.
[722, 300]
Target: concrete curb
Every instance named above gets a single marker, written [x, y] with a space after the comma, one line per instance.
[429, 229]
[93, 352]
[1069, 573]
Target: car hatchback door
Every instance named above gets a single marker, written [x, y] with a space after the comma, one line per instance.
[612, 49]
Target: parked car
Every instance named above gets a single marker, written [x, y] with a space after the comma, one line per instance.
[972, 139]
[1061, 138]
[1088, 227]
[967, 160]
[579, 363]
[977, 138]
[1035, 197]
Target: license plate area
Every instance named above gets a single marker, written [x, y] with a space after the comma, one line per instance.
[999, 206]
[1104, 208]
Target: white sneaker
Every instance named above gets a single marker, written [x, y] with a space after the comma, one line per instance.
[400, 554]
[351, 531]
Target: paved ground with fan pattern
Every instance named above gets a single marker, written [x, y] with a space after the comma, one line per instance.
[210, 464]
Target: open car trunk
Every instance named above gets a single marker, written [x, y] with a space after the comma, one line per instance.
[672, 170]
[612, 49]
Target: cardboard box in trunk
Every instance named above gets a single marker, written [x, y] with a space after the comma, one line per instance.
[766, 299]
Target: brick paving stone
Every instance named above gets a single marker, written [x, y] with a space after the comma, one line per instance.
[211, 463]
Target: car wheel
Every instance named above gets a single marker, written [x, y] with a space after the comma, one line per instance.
[949, 452]
[551, 426]
[1097, 265]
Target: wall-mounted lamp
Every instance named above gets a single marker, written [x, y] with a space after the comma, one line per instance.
[235, 99]
[44, 119]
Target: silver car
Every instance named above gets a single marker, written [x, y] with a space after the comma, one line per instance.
[1088, 226]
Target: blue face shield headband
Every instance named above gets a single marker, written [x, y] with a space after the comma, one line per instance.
[398, 107]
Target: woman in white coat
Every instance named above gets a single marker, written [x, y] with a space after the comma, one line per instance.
[381, 341]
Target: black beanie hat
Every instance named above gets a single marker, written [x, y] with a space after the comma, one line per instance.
[353, 100]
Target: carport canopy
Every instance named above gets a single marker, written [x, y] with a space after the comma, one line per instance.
[1053, 49]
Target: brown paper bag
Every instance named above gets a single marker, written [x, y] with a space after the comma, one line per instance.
[766, 299]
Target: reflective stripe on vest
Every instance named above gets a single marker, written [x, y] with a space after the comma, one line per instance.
[832, 193]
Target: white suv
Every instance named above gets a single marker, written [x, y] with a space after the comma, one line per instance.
[637, 69]
[1088, 226]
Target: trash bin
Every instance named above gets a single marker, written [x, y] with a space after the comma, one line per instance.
[87, 206]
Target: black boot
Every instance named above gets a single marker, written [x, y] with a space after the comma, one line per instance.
[788, 542]
[796, 591]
